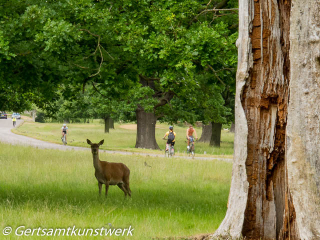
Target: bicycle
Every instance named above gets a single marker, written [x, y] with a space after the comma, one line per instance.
[190, 150]
[63, 138]
[170, 151]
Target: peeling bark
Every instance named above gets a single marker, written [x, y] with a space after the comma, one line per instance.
[275, 183]
[303, 135]
[263, 80]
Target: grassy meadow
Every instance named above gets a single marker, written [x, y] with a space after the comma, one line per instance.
[123, 137]
[50, 188]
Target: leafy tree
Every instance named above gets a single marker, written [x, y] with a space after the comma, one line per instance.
[150, 49]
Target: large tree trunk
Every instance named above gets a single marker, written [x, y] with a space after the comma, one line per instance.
[206, 133]
[216, 134]
[275, 181]
[146, 129]
[303, 135]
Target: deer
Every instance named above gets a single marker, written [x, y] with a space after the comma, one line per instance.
[109, 173]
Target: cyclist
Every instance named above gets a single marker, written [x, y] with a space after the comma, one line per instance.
[14, 121]
[171, 138]
[190, 132]
[64, 131]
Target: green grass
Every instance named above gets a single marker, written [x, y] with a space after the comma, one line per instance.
[50, 188]
[120, 138]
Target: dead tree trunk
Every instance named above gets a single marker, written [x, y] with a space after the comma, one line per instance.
[216, 134]
[276, 172]
[206, 133]
[146, 129]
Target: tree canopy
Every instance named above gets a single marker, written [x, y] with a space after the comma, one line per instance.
[143, 53]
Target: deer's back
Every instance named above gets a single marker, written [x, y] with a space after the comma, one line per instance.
[115, 172]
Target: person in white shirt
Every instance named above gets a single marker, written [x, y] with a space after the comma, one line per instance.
[64, 131]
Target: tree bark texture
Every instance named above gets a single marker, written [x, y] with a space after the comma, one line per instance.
[216, 134]
[146, 130]
[276, 173]
[303, 135]
[206, 133]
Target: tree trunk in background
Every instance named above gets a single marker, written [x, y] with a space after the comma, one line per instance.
[216, 134]
[232, 128]
[276, 172]
[206, 133]
[34, 115]
[111, 123]
[146, 130]
[106, 124]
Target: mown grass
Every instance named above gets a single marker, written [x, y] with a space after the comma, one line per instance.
[120, 138]
[50, 188]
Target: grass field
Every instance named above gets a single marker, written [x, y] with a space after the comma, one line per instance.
[50, 188]
[123, 137]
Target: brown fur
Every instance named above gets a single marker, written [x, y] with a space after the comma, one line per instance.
[109, 173]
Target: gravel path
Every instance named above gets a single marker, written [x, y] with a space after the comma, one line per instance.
[7, 136]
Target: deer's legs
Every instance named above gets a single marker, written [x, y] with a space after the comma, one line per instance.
[127, 185]
[100, 186]
[128, 189]
[107, 188]
[120, 185]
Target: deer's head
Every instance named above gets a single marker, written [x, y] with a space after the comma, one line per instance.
[95, 146]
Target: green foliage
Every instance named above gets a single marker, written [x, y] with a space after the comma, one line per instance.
[140, 53]
[40, 117]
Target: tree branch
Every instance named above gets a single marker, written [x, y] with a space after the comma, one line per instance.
[99, 46]
[166, 97]
[213, 10]
[215, 73]
[149, 78]
[95, 88]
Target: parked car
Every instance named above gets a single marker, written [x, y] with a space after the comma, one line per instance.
[3, 115]
[16, 115]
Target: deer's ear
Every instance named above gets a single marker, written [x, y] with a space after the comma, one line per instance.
[101, 142]
[89, 142]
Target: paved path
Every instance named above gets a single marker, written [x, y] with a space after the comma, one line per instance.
[7, 136]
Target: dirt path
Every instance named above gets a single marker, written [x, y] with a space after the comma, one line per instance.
[7, 136]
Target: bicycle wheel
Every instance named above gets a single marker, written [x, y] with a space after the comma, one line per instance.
[171, 151]
[192, 151]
